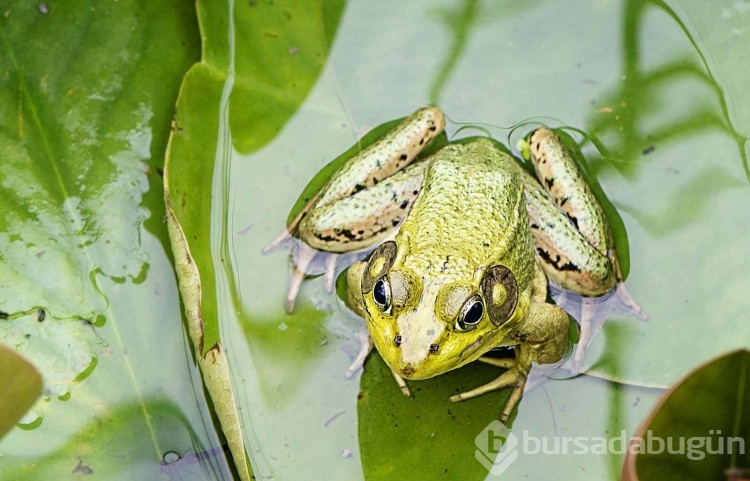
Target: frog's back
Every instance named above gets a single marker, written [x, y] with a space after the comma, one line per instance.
[470, 212]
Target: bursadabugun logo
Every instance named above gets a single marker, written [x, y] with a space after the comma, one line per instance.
[496, 447]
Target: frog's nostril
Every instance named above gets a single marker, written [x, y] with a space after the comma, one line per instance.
[397, 341]
[434, 348]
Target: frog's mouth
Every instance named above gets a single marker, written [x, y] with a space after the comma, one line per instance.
[417, 372]
[413, 371]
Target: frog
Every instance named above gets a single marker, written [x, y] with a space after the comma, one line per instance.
[465, 243]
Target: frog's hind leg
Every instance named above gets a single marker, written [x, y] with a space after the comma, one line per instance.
[351, 225]
[344, 216]
[563, 180]
[573, 239]
[563, 213]
[364, 218]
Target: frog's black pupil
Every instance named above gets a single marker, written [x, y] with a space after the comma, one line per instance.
[474, 314]
[379, 294]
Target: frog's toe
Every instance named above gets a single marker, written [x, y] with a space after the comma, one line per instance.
[575, 363]
[330, 274]
[282, 240]
[590, 325]
[297, 274]
[295, 281]
[365, 347]
[628, 304]
[402, 384]
[504, 362]
[511, 377]
[512, 401]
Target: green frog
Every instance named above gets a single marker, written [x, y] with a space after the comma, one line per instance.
[466, 242]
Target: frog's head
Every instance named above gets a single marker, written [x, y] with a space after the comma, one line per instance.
[424, 326]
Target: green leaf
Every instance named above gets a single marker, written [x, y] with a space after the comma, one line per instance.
[700, 428]
[87, 289]
[260, 60]
[22, 385]
[425, 437]
[122, 430]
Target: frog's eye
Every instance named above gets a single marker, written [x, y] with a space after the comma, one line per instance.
[500, 290]
[471, 313]
[380, 262]
[381, 294]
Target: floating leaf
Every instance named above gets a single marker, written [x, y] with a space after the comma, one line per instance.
[426, 435]
[22, 385]
[700, 428]
[260, 60]
[87, 287]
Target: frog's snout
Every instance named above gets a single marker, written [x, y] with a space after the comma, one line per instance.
[408, 371]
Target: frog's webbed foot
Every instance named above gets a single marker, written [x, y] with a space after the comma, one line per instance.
[365, 348]
[304, 261]
[362, 202]
[593, 312]
[365, 343]
[513, 376]
[303, 267]
[627, 303]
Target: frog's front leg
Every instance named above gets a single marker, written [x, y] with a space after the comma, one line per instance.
[542, 338]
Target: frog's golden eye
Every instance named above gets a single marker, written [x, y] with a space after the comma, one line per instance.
[381, 294]
[471, 313]
[380, 261]
[500, 291]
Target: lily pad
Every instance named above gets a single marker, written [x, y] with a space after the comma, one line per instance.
[87, 286]
[700, 428]
[259, 62]
[22, 384]
[426, 435]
